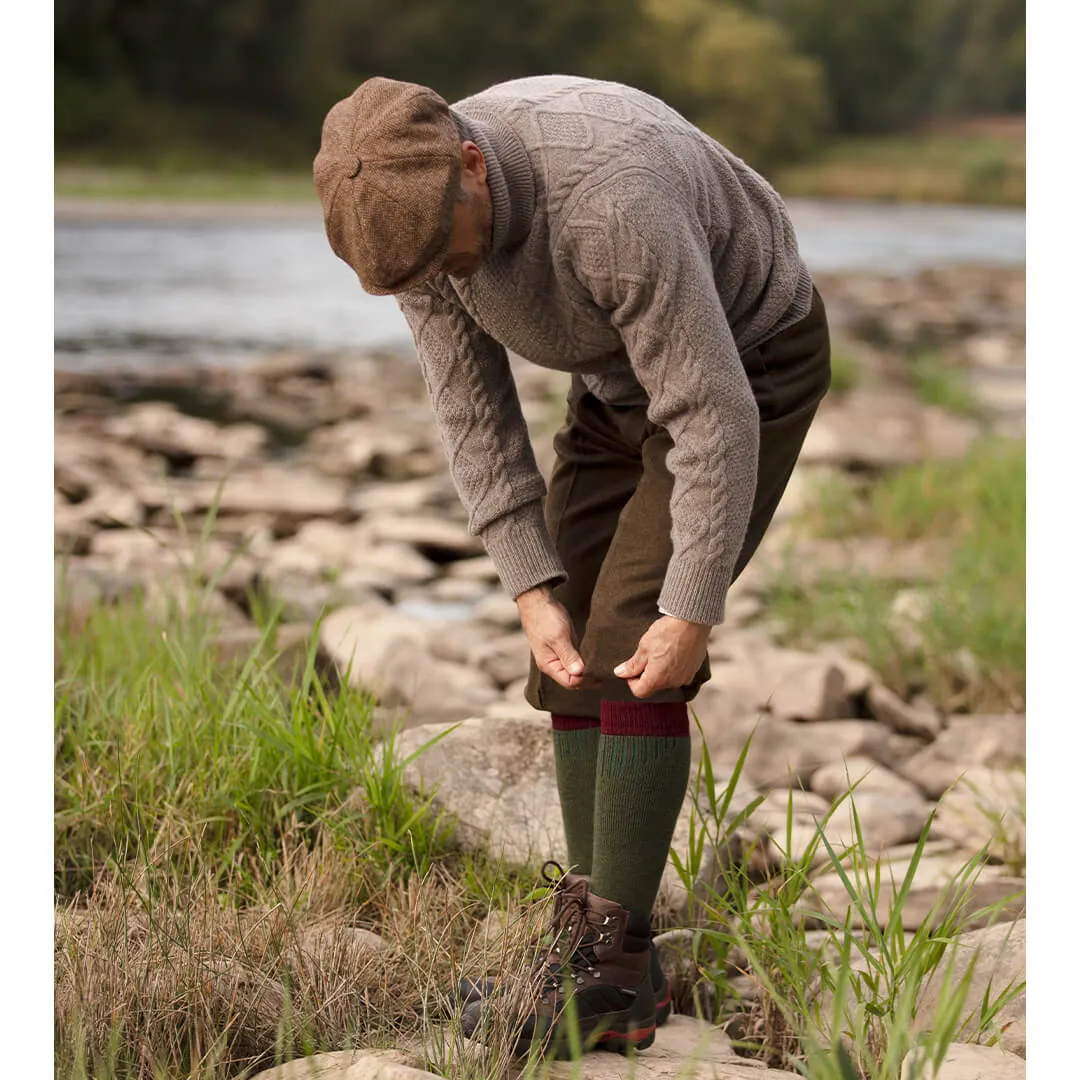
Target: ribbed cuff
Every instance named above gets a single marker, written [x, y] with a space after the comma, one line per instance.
[572, 723]
[522, 550]
[658, 719]
[694, 592]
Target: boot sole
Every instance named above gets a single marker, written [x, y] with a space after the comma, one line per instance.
[475, 990]
[616, 1040]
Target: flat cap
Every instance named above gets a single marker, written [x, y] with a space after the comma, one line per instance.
[387, 175]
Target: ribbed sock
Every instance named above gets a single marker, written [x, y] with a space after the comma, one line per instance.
[575, 740]
[643, 767]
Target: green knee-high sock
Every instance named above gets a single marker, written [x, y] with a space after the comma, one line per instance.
[643, 767]
[575, 739]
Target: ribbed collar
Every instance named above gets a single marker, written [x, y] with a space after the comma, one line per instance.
[509, 178]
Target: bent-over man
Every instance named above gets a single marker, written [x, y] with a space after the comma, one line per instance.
[590, 228]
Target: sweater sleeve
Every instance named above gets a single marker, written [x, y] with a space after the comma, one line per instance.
[646, 260]
[485, 438]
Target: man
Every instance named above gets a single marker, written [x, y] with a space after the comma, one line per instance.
[591, 229]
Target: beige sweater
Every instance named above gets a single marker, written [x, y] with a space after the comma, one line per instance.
[639, 253]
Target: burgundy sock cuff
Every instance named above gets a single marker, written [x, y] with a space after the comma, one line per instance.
[572, 723]
[664, 719]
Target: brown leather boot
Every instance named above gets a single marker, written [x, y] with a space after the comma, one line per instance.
[587, 978]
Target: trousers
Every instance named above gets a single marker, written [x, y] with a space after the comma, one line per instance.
[608, 508]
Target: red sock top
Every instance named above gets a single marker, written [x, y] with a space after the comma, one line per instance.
[665, 719]
[572, 723]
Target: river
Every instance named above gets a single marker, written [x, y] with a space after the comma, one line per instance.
[221, 288]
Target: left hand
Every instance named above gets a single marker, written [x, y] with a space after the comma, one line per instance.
[667, 657]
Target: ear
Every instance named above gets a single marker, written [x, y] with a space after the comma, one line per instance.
[472, 161]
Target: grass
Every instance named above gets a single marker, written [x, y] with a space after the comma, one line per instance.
[846, 372]
[867, 973]
[223, 830]
[189, 184]
[937, 383]
[968, 650]
[962, 166]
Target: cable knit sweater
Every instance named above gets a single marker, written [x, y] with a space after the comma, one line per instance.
[632, 249]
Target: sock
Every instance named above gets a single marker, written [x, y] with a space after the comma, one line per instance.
[575, 739]
[643, 768]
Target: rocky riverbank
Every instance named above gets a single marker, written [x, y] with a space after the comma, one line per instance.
[327, 495]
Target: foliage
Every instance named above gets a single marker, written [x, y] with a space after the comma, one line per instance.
[252, 79]
[967, 646]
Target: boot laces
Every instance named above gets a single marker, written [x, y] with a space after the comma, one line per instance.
[577, 930]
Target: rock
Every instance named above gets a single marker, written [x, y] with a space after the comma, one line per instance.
[355, 447]
[505, 659]
[785, 753]
[864, 775]
[438, 538]
[811, 690]
[159, 428]
[997, 741]
[496, 776]
[987, 806]
[944, 881]
[290, 494]
[386, 654]
[479, 568]
[349, 1065]
[807, 562]
[992, 351]
[328, 936]
[499, 610]
[792, 685]
[685, 1049]
[965, 1061]
[996, 957]
[884, 821]
[924, 722]
[405, 497]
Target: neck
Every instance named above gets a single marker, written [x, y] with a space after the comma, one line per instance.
[511, 191]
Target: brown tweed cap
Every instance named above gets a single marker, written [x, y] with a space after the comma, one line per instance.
[387, 174]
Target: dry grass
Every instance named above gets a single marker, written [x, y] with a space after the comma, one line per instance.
[157, 976]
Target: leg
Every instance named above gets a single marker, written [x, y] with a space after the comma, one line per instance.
[595, 473]
[644, 751]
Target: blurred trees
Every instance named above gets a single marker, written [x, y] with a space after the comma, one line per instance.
[767, 77]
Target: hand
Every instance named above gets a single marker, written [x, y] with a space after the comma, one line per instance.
[550, 632]
[667, 657]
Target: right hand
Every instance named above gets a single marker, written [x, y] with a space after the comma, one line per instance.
[550, 632]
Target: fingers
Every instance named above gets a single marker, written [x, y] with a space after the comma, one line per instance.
[568, 656]
[632, 668]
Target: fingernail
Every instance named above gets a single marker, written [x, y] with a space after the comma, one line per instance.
[621, 669]
[576, 668]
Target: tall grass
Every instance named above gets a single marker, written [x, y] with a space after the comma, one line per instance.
[843, 1005]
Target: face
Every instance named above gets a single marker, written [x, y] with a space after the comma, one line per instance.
[470, 232]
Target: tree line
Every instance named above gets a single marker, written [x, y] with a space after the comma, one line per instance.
[252, 79]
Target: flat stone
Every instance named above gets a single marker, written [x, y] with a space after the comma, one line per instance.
[812, 690]
[436, 537]
[786, 753]
[160, 428]
[403, 497]
[499, 610]
[967, 1061]
[864, 775]
[288, 493]
[987, 806]
[997, 741]
[924, 722]
[884, 821]
[386, 653]
[685, 1049]
[349, 1065]
[505, 659]
[941, 883]
[997, 957]
[478, 568]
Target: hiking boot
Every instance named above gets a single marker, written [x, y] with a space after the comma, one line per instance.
[475, 989]
[588, 977]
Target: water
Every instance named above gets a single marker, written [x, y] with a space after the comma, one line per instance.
[130, 291]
